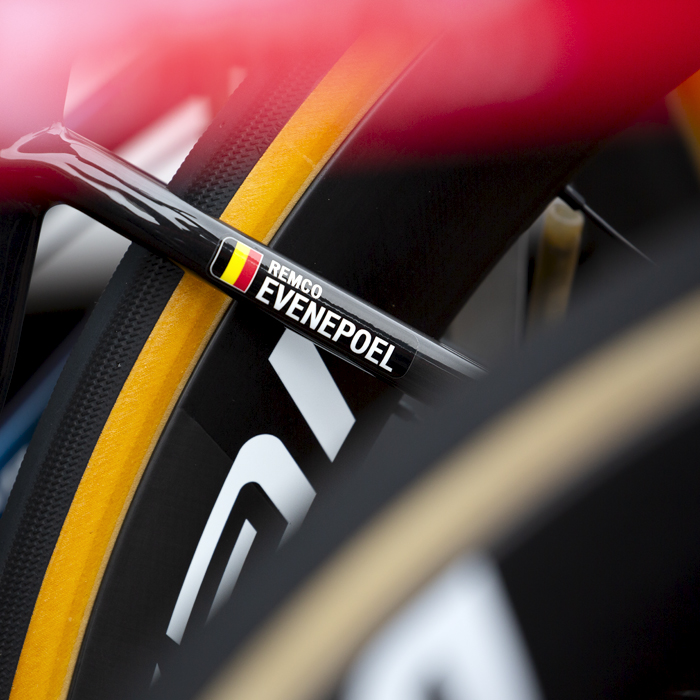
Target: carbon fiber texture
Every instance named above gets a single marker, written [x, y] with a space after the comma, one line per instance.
[51, 474]
[241, 133]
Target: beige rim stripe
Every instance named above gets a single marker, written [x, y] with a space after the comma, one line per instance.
[107, 487]
[511, 466]
[164, 365]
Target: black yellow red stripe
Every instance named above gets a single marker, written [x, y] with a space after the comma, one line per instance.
[236, 264]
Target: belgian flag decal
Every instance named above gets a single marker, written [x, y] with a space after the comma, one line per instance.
[236, 264]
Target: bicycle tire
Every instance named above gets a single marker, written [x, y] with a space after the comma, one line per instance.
[152, 327]
[566, 486]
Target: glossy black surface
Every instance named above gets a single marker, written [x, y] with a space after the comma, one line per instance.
[57, 166]
[19, 234]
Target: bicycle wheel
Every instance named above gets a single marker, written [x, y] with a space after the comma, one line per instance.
[537, 539]
[109, 513]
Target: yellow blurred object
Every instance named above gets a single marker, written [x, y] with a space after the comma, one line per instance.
[684, 106]
[557, 256]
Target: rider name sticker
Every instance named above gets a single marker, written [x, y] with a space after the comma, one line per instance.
[301, 303]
